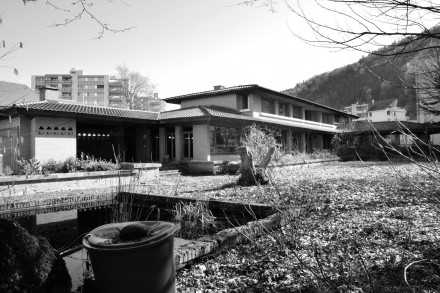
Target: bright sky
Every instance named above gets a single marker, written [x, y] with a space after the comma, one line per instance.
[183, 46]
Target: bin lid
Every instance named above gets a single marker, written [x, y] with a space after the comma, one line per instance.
[130, 234]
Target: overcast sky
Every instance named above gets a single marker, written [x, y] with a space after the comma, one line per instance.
[184, 46]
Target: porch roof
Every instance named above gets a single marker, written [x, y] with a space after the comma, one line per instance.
[391, 126]
[205, 112]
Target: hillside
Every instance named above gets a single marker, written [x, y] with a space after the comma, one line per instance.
[372, 77]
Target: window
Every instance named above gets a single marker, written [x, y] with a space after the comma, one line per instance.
[100, 86]
[312, 116]
[296, 112]
[327, 118]
[283, 109]
[243, 102]
[224, 139]
[268, 106]
[388, 113]
[369, 114]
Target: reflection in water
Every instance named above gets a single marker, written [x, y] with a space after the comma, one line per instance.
[64, 229]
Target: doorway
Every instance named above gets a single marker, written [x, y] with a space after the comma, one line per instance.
[187, 145]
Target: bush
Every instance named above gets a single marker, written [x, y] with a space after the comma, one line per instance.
[52, 166]
[259, 140]
[29, 167]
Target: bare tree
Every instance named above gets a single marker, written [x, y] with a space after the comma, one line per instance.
[136, 88]
[366, 25]
[426, 68]
[80, 9]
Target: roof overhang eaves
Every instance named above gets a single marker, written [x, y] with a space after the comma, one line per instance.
[66, 114]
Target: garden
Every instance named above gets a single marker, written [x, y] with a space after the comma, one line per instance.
[347, 227]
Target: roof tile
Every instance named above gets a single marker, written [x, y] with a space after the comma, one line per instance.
[12, 93]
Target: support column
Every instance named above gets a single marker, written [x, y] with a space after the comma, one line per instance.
[162, 143]
[289, 141]
[319, 142]
[290, 110]
[201, 143]
[303, 113]
[178, 140]
[302, 143]
[319, 114]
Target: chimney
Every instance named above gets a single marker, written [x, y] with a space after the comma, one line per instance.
[49, 94]
[218, 87]
[156, 95]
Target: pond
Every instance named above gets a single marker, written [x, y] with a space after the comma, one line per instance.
[64, 227]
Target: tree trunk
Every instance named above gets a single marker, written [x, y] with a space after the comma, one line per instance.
[249, 175]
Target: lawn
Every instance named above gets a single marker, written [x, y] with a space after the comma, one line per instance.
[360, 225]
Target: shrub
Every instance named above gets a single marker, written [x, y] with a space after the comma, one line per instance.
[195, 219]
[52, 166]
[29, 167]
[259, 140]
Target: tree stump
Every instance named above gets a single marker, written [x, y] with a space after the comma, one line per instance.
[249, 175]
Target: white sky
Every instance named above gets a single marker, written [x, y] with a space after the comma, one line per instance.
[184, 46]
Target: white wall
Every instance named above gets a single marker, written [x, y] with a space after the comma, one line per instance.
[227, 101]
[53, 144]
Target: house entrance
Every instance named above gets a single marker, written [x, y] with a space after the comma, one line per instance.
[187, 144]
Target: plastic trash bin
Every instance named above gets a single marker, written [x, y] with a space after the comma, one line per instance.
[133, 256]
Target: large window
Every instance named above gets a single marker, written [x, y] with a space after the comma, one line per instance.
[224, 139]
[268, 106]
[327, 118]
[283, 109]
[243, 102]
[296, 112]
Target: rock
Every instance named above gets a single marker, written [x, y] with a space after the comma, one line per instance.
[29, 263]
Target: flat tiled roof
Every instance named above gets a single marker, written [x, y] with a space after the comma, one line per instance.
[51, 106]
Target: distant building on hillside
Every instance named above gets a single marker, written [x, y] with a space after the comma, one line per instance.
[358, 110]
[385, 110]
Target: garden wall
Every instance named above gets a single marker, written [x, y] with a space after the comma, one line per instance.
[24, 192]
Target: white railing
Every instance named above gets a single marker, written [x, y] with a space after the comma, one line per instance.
[296, 120]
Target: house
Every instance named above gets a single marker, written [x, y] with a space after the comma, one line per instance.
[358, 110]
[206, 128]
[384, 110]
[364, 138]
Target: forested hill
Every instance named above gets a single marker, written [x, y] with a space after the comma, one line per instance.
[355, 83]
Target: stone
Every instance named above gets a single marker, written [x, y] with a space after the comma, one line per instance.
[29, 263]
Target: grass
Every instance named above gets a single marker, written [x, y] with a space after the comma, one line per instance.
[362, 228]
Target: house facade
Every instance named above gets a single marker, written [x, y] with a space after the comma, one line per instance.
[206, 128]
[378, 111]
[76, 87]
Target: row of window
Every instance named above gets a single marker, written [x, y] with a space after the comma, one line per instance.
[224, 139]
[268, 106]
[91, 78]
[87, 94]
[91, 86]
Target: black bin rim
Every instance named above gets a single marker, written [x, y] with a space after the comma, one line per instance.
[161, 231]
